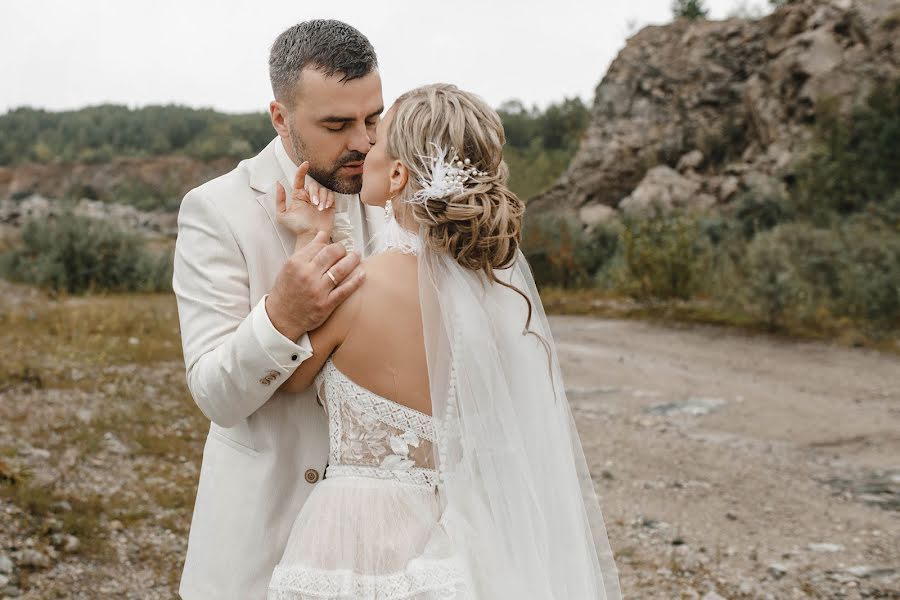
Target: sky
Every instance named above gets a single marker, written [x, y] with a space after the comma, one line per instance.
[66, 54]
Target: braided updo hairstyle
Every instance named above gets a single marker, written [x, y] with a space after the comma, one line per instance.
[480, 226]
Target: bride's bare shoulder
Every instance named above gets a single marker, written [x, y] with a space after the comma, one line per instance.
[389, 263]
[390, 273]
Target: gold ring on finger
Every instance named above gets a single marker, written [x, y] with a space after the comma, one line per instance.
[331, 277]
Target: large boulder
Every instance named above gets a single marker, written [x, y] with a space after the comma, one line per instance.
[726, 103]
[663, 189]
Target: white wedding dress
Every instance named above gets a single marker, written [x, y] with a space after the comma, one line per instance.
[490, 498]
[372, 528]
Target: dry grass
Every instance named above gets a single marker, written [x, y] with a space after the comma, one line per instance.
[96, 385]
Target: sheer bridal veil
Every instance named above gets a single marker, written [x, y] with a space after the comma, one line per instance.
[517, 495]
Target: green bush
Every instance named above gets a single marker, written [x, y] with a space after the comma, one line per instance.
[869, 279]
[772, 285]
[798, 271]
[665, 256]
[77, 254]
[563, 253]
[853, 160]
[144, 196]
[754, 212]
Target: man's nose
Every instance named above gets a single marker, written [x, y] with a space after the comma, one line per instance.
[360, 141]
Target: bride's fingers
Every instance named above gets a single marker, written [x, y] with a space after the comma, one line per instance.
[329, 199]
[315, 190]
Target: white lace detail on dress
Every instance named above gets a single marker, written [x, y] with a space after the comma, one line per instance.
[430, 580]
[414, 475]
[389, 412]
[370, 431]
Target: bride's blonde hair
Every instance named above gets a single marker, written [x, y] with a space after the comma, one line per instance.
[481, 225]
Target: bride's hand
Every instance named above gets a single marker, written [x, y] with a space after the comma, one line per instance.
[312, 206]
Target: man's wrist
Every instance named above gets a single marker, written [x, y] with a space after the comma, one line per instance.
[292, 331]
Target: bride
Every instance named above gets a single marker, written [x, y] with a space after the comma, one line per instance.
[455, 469]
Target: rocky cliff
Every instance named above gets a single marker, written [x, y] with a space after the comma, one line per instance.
[692, 112]
[166, 177]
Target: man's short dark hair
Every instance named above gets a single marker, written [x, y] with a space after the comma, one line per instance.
[332, 47]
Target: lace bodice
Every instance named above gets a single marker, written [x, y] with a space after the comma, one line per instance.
[373, 436]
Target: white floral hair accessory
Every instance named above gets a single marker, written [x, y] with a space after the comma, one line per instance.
[442, 177]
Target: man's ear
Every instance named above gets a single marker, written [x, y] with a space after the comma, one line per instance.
[278, 114]
[399, 177]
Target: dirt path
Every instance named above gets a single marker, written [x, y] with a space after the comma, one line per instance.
[747, 467]
[743, 466]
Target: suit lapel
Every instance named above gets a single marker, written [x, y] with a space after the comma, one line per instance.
[264, 172]
[285, 235]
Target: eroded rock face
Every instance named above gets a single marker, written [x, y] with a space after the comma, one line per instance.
[664, 188]
[170, 176]
[17, 213]
[722, 104]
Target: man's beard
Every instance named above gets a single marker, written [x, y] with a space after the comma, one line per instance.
[330, 176]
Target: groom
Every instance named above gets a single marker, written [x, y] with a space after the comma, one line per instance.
[246, 301]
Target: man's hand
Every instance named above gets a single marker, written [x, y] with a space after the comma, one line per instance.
[312, 206]
[304, 295]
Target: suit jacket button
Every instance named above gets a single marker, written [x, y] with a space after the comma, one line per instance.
[311, 475]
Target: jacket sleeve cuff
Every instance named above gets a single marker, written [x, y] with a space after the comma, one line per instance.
[285, 353]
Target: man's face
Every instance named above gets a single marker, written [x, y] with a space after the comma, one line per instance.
[332, 125]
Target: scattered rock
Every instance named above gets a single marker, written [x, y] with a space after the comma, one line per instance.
[114, 444]
[595, 214]
[777, 570]
[12, 591]
[29, 557]
[690, 161]
[694, 406]
[875, 488]
[38, 453]
[825, 547]
[6, 565]
[866, 571]
[728, 188]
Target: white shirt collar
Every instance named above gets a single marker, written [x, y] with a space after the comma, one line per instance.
[284, 161]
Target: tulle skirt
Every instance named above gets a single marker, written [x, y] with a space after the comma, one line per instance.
[358, 537]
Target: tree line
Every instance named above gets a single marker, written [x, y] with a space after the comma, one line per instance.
[540, 141]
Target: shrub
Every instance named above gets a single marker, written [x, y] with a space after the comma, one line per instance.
[563, 253]
[869, 279]
[772, 285]
[803, 272]
[77, 254]
[853, 160]
[757, 211]
[665, 256]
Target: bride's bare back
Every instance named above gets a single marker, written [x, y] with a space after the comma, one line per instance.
[384, 350]
[375, 337]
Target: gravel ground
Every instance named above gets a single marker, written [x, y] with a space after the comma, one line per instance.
[728, 466]
[748, 467]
